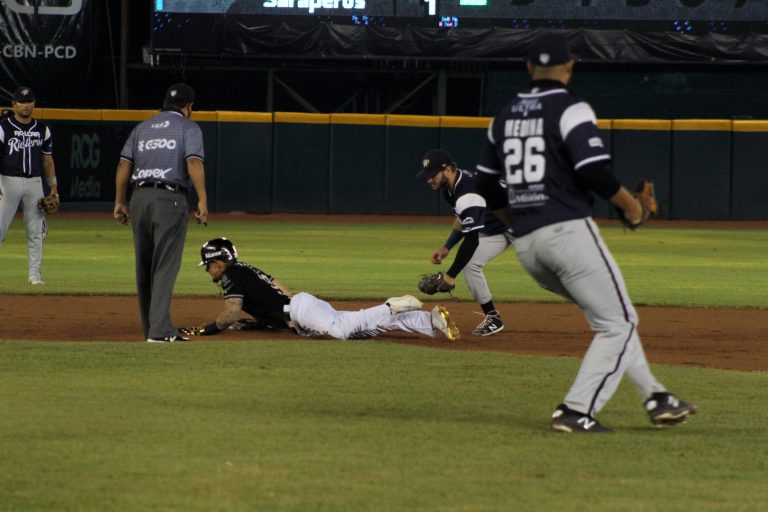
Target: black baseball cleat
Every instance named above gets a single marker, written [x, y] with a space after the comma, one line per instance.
[168, 339]
[666, 409]
[570, 421]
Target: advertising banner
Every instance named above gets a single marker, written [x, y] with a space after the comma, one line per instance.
[47, 45]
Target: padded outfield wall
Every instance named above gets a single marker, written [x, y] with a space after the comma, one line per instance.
[366, 164]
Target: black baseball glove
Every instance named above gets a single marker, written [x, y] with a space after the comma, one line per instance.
[433, 283]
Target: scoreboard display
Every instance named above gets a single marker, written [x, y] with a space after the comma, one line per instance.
[714, 10]
[416, 28]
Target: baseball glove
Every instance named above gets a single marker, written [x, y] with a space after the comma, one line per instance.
[645, 193]
[48, 204]
[433, 283]
[192, 331]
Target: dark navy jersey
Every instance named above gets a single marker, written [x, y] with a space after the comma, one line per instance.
[469, 206]
[261, 298]
[22, 147]
[537, 143]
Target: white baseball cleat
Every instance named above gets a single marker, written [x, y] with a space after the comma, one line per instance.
[442, 321]
[35, 280]
[402, 304]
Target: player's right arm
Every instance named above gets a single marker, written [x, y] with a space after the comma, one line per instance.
[123, 175]
[454, 238]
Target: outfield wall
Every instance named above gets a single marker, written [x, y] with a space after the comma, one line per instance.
[361, 163]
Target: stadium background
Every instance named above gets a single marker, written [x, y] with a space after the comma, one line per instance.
[679, 87]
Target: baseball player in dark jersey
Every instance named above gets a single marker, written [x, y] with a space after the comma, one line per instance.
[160, 159]
[481, 233]
[26, 156]
[250, 290]
[545, 144]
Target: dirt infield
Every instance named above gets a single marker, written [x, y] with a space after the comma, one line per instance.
[734, 339]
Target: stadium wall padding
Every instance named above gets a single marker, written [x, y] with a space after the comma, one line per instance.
[366, 164]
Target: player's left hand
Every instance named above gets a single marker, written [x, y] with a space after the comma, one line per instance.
[439, 255]
[49, 204]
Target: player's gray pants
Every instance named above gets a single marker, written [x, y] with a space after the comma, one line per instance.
[571, 259]
[315, 317]
[488, 248]
[28, 192]
[159, 221]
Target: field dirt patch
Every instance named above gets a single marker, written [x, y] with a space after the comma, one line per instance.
[734, 339]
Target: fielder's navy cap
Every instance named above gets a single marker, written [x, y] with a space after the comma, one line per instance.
[180, 93]
[433, 162]
[23, 95]
[550, 49]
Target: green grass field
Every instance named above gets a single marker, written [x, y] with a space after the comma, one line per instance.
[376, 426]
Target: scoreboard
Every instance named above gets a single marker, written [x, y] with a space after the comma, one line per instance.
[468, 29]
[714, 10]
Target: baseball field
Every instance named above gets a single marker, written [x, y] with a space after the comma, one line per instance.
[93, 418]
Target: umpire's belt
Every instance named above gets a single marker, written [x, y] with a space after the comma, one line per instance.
[287, 316]
[159, 184]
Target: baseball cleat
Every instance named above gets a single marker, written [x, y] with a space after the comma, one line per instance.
[442, 321]
[665, 409]
[403, 304]
[489, 325]
[36, 280]
[570, 421]
[168, 339]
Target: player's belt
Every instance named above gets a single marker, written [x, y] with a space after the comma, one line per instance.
[159, 184]
[287, 316]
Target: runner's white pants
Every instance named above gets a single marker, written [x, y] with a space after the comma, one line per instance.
[315, 317]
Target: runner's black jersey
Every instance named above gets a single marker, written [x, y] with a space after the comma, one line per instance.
[469, 206]
[537, 143]
[261, 298]
[22, 147]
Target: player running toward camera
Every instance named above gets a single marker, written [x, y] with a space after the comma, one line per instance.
[484, 235]
[250, 290]
[546, 145]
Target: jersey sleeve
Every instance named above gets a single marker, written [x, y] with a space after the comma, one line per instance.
[578, 128]
[47, 147]
[470, 210]
[127, 152]
[488, 162]
[193, 142]
[232, 283]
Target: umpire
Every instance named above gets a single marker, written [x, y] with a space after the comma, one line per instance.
[160, 159]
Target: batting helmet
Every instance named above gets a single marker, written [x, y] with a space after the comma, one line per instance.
[217, 249]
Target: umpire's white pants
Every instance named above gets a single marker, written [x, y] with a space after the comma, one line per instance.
[315, 317]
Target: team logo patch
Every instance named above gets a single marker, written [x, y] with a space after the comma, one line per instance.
[544, 58]
[425, 163]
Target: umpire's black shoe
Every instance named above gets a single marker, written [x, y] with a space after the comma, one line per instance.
[666, 409]
[168, 339]
[570, 421]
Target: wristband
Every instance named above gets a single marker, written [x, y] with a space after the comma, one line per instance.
[453, 239]
[51, 180]
[209, 329]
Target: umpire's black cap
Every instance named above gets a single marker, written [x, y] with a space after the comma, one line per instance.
[433, 162]
[179, 94]
[550, 49]
[23, 95]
